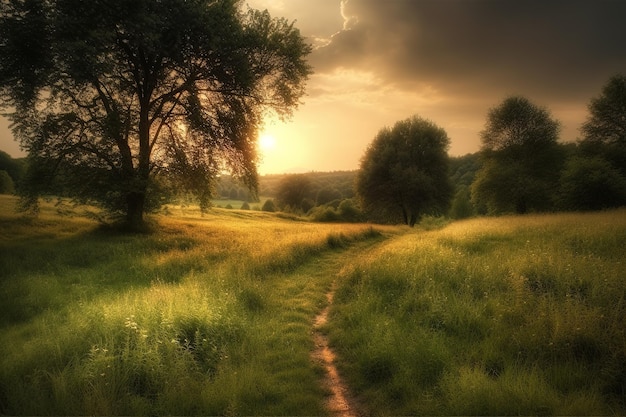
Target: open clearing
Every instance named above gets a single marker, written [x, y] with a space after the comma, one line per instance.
[233, 313]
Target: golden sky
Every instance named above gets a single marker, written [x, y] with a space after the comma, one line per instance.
[377, 62]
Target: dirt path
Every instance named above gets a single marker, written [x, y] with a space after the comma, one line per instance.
[340, 402]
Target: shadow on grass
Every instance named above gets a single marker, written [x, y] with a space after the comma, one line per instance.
[44, 272]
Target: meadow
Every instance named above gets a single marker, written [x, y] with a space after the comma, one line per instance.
[499, 316]
[213, 315]
[208, 315]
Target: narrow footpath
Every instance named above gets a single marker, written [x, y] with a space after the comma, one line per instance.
[340, 403]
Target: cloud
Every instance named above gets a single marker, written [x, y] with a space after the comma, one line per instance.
[317, 20]
[537, 47]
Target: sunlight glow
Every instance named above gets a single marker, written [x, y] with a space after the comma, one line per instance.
[267, 141]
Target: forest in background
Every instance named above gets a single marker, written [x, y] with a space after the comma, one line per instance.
[318, 195]
[317, 189]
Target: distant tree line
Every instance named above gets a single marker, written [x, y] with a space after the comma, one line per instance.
[521, 166]
[11, 173]
[406, 172]
[524, 169]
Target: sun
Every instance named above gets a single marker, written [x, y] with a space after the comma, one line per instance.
[267, 141]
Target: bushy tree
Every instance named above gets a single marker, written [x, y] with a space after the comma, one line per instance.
[604, 132]
[293, 190]
[521, 159]
[591, 184]
[269, 206]
[404, 172]
[116, 92]
[349, 210]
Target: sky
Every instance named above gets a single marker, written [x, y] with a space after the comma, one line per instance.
[377, 62]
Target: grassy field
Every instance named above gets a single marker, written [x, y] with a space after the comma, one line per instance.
[212, 315]
[207, 316]
[507, 316]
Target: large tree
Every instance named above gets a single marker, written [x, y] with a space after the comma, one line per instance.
[604, 132]
[521, 158]
[116, 93]
[404, 172]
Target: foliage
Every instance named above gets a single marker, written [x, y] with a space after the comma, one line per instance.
[346, 210]
[606, 124]
[505, 316]
[326, 195]
[341, 181]
[462, 207]
[14, 167]
[463, 169]
[6, 183]
[591, 184]
[112, 94]
[404, 172]
[521, 159]
[269, 206]
[292, 191]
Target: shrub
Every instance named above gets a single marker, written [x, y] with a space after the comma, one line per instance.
[269, 206]
[349, 211]
[324, 214]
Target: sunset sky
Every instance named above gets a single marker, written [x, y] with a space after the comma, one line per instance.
[377, 62]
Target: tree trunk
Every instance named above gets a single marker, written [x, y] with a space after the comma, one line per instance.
[405, 215]
[136, 197]
[413, 219]
[135, 206]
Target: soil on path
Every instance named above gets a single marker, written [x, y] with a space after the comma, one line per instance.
[340, 402]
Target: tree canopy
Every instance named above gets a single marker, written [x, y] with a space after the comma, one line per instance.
[292, 192]
[591, 184]
[404, 171]
[607, 114]
[521, 159]
[604, 132]
[120, 95]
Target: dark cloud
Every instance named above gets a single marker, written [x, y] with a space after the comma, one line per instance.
[560, 48]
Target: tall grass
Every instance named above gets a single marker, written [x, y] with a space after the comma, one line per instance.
[508, 316]
[207, 315]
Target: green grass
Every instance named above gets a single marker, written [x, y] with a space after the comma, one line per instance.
[212, 314]
[208, 315]
[507, 316]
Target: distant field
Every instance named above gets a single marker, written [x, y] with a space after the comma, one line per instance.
[212, 315]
